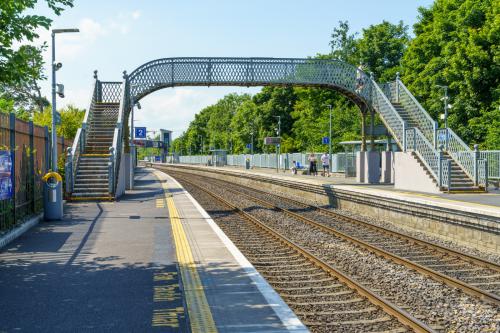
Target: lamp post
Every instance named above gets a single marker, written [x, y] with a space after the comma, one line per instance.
[330, 140]
[201, 147]
[251, 143]
[278, 147]
[445, 100]
[55, 67]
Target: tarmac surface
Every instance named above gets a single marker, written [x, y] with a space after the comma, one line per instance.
[116, 267]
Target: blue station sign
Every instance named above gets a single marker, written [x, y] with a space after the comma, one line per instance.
[140, 132]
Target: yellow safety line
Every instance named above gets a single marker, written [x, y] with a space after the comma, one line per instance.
[200, 315]
[414, 194]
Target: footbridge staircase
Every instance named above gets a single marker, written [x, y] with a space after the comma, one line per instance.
[94, 169]
[92, 163]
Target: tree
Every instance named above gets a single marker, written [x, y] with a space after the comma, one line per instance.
[15, 26]
[457, 44]
[381, 49]
[21, 67]
[71, 120]
[343, 43]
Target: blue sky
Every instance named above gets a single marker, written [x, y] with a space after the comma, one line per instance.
[119, 35]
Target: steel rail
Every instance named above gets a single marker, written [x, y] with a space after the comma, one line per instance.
[466, 257]
[401, 315]
[470, 258]
[453, 282]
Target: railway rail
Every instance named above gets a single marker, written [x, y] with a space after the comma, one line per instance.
[321, 295]
[475, 276]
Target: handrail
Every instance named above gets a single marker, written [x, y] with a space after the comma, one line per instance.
[420, 107]
[387, 112]
[425, 150]
[118, 134]
[78, 146]
[458, 150]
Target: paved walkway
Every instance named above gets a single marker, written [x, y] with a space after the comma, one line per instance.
[114, 267]
[492, 198]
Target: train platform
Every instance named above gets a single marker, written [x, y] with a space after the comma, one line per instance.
[487, 202]
[152, 261]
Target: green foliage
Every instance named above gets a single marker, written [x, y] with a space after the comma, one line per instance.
[21, 67]
[304, 113]
[16, 26]
[381, 49]
[457, 44]
[71, 120]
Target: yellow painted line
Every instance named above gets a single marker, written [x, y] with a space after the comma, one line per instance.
[96, 155]
[200, 315]
[414, 194]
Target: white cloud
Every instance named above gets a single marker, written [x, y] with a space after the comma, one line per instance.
[175, 108]
[136, 14]
[91, 30]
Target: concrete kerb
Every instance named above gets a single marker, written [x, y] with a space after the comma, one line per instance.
[19, 230]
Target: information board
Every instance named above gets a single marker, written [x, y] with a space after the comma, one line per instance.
[272, 140]
[6, 190]
[326, 140]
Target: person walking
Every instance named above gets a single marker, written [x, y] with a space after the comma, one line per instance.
[325, 161]
[313, 170]
[359, 78]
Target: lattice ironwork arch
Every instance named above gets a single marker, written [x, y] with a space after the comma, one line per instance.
[172, 72]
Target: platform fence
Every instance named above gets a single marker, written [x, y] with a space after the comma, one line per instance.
[28, 146]
[341, 162]
[493, 159]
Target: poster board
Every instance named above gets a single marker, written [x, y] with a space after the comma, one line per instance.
[6, 190]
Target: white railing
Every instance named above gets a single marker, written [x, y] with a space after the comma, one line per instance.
[339, 161]
[493, 159]
[116, 149]
[482, 173]
[457, 149]
[438, 139]
[78, 148]
[391, 118]
[400, 94]
[418, 143]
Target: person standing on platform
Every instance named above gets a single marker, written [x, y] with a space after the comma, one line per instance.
[294, 167]
[313, 170]
[325, 161]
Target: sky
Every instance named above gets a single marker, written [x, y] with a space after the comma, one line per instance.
[118, 35]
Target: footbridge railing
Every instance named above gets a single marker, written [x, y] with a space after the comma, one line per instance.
[115, 151]
[78, 148]
[170, 72]
[440, 139]
[400, 94]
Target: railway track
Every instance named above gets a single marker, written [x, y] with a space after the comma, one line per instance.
[324, 298]
[475, 276]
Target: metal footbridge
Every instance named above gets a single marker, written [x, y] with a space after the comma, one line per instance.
[94, 168]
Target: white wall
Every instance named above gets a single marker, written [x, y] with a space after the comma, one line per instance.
[410, 175]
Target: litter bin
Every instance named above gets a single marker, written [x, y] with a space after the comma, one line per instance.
[247, 164]
[52, 196]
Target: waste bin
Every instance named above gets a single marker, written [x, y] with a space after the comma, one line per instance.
[247, 164]
[52, 196]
